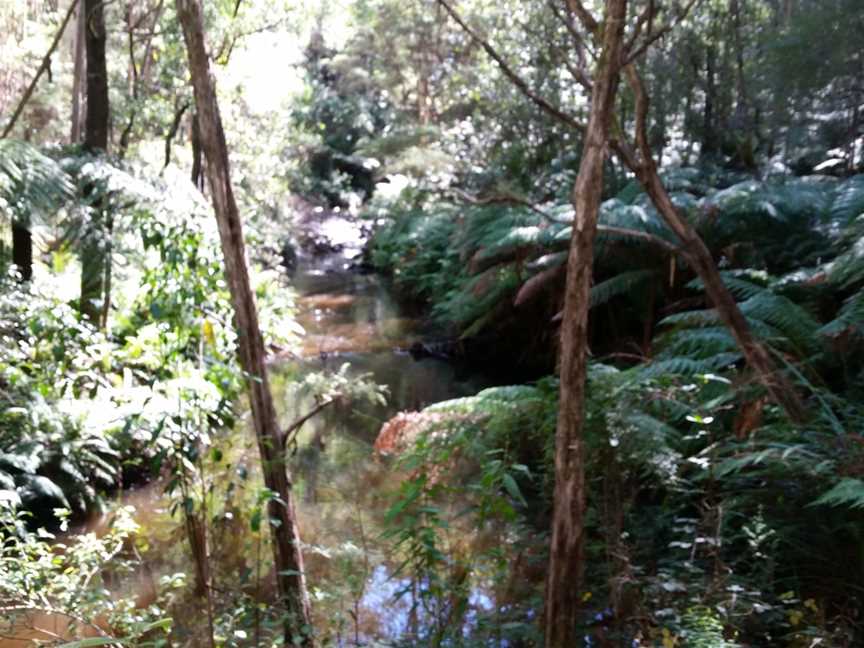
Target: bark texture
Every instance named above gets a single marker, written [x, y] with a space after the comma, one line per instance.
[95, 255]
[96, 122]
[566, 557]
[286, 541]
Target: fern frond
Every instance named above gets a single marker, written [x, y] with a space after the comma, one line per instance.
[698, 343]
[786, 316]
[31, 183]
[737, 284]
[848, 203]
[849, 318]
[847, 492]
[684, 366]
[619, 284]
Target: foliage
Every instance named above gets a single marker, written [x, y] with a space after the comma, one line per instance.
[470, 445]
[73, 580]
[52, 363]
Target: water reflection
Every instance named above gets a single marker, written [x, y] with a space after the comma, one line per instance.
[343, 490]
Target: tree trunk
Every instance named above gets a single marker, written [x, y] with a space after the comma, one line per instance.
[98, 108]
[756, 355]
[94, 255]
[710, 145]
[283, 527]
[22, 250]
[197, 177]
[78, 76]
[644, 167]
[566, 558]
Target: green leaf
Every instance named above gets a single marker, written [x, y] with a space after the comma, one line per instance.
[847, 492]
[512, 489]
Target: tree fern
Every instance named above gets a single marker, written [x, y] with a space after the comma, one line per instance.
[620, 284]
[849, 318]
[31, 183]
[848, 202]
[848, 491]
[696, 343]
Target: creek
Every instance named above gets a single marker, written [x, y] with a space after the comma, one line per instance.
[342, 488]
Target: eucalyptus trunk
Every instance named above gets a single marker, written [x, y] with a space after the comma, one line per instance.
[95, 256]
[287, 556]
[566, 557]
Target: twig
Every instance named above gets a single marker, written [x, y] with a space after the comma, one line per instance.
[650, 39]
[518, 81]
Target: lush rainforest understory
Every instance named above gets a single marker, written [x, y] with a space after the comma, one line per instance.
[432, 323]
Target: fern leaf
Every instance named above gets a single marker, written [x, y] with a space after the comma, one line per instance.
[619, 285]
[847, 492]
[849, 318]
[848, 201]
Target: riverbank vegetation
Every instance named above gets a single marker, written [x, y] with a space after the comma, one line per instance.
[454, 325]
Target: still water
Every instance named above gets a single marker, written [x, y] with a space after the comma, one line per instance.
[343, 489]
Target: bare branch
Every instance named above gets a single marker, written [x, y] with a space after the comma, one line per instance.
[504, 197]
[647, 16]
[584, 16]
[651, 38]
[641, 112]
[291, 431]
[578, 42]
[43, 66]
[579, 71]
[515, 79]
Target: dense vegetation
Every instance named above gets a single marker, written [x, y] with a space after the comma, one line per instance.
[715, 513]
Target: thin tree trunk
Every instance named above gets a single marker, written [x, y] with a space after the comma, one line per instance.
[43, 67]
[566, 557]
[98, 108]
[78, 76]
[172, 132]
[94, 252]
[287, 556]
[197, 164]
[778, 386]
[645, 168]
[709, 133]
[756, 355]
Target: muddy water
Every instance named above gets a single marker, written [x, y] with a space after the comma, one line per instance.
[343, 490]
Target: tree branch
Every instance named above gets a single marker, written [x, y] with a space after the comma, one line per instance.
[515, 79]
[291, 431]
[584, 16]
[579, 70]
[650, 39]
[46, 63]
[641, 111]
[175, 125]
